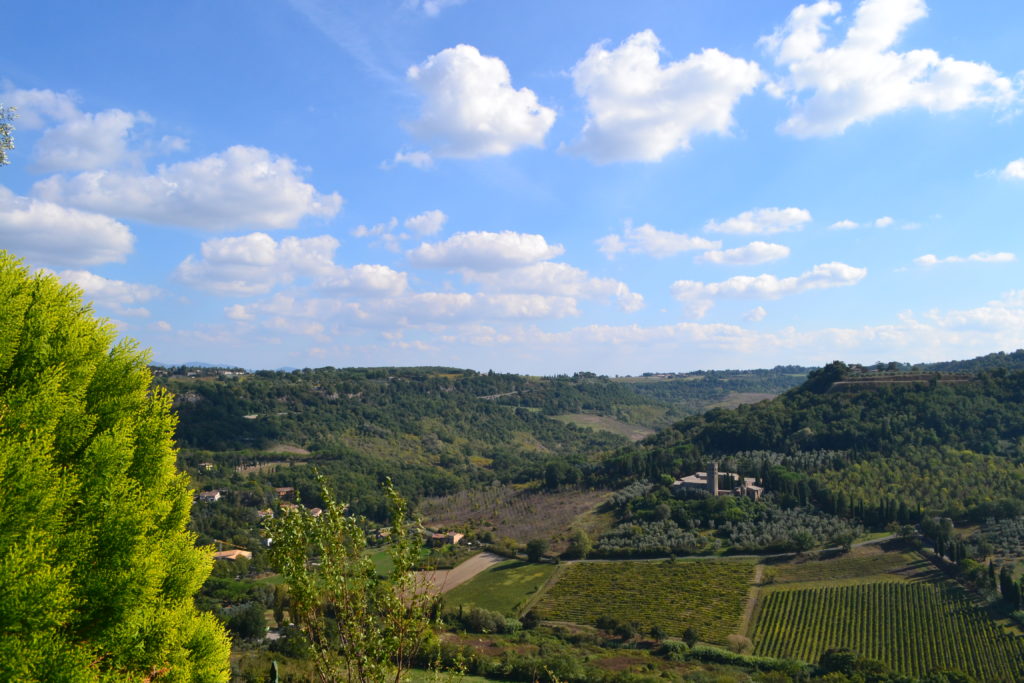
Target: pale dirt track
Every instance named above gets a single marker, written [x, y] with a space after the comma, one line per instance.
[442, 581]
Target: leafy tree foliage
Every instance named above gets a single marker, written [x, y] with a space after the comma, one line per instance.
[97, 570]
[6, 133]
[535, 549]
[361, 626]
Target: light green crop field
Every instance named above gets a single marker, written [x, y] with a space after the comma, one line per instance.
[911, 627]
[502, 588]
[867, 563]
[674, 595]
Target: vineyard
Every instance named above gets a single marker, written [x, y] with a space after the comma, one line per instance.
[673, 595]
[912, 627]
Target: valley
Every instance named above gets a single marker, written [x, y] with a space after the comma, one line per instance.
[886, 544]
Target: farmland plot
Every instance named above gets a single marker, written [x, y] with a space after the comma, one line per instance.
[707, 595]
[912, 627]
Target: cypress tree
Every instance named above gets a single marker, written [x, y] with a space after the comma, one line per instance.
[97, 569]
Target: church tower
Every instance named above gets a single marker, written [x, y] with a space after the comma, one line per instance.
[713, 479]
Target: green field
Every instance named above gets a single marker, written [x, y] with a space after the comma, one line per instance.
[912, 627]
[502, 588]
[708, 595]
[862, 563]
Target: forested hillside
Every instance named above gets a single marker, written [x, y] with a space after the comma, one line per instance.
[882, 452]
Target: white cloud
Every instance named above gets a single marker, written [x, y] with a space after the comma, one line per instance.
[980, 257]
[115, 294]
[756, 314]
[240, 187]
[366, 279]
[558, 279]
[752, 254]
[470, 108]
[844, 225]
[762, 221]
[427, 223]
[36, 107]
[883, 222]
[864, 77]
[420, 160]
[256, 264]
[86, 142]
[45, 232]
[641, 110]
[381, 230]
[162, 326]
[485, 251]
[432, 307]
[823, 276]
[1014, 170]
[433, 7]
[76, 140]
[646, 239]
[238, 312]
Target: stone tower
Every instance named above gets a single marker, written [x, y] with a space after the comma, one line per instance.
[713, 479]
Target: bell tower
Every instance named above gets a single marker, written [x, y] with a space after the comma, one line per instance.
[713, 479]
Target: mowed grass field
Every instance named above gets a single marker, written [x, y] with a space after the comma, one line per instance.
[914, 627]
[708, 595]
[502, 588]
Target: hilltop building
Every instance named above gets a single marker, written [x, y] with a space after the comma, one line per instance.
[711, 482]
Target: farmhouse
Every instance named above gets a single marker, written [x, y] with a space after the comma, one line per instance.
[232, 555]
[451, 538]
[711, 482]
[209, 496]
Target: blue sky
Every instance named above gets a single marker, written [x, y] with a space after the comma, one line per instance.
[525, 186]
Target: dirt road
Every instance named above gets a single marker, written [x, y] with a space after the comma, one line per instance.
[442, 581]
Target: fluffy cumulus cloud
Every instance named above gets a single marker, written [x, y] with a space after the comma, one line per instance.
[700, 295]
[649, 240]
[256, 264]
[485, 251]
[46, 233]
[470, 108]
[863, 77]
[639, 109]
[981, 257]
[558, 279]
[122, 297]
[1014, 170]
[426, 223]
[762, 222]
[749, 255]
[74, 140]
[363, 278]
[242, 187]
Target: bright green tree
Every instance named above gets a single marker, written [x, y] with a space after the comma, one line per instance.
[361, 626]
[97, 569]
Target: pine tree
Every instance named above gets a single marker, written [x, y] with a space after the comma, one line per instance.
[97, 569]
